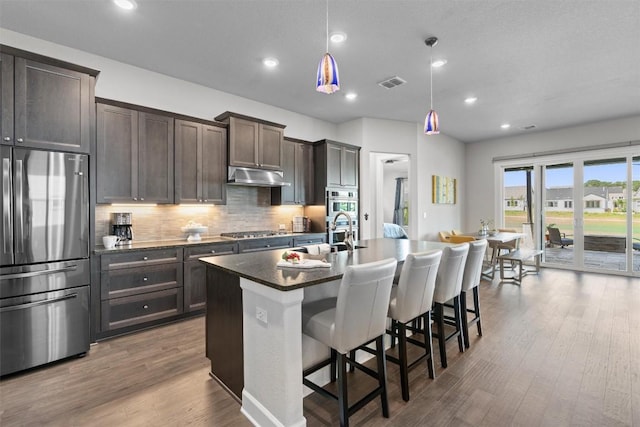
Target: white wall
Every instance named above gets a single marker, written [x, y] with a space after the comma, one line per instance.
[444, 156]
[479, 186]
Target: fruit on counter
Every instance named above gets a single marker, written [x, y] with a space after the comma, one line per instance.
[291, 256]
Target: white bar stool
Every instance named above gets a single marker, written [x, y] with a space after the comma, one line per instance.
[356, 317]
[470, 282]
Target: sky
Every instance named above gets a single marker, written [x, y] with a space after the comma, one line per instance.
[564, 176]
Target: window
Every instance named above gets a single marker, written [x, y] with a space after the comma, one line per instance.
[568, 204]
[552, 204]
[592, 203]
[512, 203]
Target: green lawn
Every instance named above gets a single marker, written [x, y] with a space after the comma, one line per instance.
[612, 224]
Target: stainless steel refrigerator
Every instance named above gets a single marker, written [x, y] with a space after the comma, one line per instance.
[44, 259]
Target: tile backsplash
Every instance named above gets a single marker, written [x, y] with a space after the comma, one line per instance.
[247, 208]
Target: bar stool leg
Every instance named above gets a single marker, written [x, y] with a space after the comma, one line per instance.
[476, 307]
[465, 321]
[458, 317]
[343, 401]
[382, 375]
[428, 344]
[333, 365]
[441, 334]
[402, 357]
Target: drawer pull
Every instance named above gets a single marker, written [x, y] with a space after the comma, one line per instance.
[146, 307]
[144, 279]
[267, 246]
[145, 258]
[213, 251]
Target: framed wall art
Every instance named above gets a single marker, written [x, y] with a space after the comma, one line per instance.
[444, 190]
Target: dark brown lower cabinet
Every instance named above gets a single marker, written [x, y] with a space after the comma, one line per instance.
[224, 329]
[195, 272]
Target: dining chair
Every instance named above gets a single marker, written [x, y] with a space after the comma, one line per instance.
[448, 287]
[444, 236]
[460, 238]
[356, 317]
[471, 282]
[410, 300]
[456, 232]
[557, 238]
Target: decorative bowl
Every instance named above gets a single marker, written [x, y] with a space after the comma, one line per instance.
[194, 232]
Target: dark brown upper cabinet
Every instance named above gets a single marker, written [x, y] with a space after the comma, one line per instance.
[337, 165]
[201, 156]
[297, 165]
[253, 143]
[135, 162]
[46, 103]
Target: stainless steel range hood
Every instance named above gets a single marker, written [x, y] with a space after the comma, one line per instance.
[256, 177]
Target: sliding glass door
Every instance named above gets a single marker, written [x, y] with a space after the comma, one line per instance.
[634, 202]
[558, 213]
[604, 216]
[589, 215]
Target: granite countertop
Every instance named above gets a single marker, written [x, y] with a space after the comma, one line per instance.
[162, 244]
[261, 267]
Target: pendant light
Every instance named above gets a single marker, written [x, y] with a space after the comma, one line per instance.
[431, 123]
[327, 81]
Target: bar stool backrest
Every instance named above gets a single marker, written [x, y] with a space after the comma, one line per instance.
[450, 272]
[473, 266]
[416, 285]
[363, 301]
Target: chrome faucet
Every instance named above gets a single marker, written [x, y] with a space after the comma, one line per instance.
[348, 239]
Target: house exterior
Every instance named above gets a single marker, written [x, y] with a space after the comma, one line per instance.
[560, 199]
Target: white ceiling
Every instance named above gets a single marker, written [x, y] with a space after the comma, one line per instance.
[547, 63]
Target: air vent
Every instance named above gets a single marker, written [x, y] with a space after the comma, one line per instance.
[529, 127]
[392, 82]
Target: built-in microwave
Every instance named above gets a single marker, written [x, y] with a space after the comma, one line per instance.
[342, 201]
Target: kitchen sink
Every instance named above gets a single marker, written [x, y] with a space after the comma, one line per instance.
[337, 247]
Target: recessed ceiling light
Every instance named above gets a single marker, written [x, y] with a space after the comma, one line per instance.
[470, 100]
[505, 126]
[126, 4]
[351, 96]
[438, 63]
[338, 37]
[270, 62]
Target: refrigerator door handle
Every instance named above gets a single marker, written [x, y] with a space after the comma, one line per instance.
[36, 303]
[39, 273]
[19, 213]
[7, 232]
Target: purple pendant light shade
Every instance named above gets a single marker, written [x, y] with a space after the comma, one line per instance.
[327, 75]
[431, 122]
[327, 80]
[431, 125]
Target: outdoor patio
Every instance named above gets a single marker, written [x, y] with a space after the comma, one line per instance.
[592, 259]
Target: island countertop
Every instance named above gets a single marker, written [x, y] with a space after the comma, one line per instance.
[261, 267]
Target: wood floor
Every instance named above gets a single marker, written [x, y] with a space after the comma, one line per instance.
[562, 349]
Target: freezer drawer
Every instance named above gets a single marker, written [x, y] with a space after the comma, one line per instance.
[41, 328]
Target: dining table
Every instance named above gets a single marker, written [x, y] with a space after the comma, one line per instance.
[496, 240]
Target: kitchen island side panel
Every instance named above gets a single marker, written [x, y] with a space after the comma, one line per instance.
[224, 329]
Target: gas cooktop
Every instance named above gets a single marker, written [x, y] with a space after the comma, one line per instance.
[253, 234]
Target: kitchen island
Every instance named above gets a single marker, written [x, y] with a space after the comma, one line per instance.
[253, 322]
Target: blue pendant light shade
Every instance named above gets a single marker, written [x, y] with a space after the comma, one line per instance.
[431, 125]
[431, 122]
[327, 80]
[327, 75]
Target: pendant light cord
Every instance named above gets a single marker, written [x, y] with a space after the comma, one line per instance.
[327, 21]
[431, 75]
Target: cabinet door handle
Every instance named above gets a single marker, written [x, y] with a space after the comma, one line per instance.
[135, 199]
[146, 307]
[267, 246]
[144, 279]
[213, 252]
[7, 138]
[142, 199]
[205, 200]
[145, 258]
[20, 140]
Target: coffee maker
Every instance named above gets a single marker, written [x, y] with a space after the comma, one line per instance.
[121, 227]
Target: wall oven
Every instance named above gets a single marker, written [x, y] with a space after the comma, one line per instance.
[339, 200]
